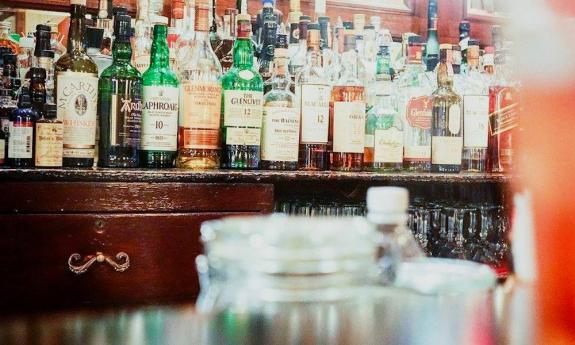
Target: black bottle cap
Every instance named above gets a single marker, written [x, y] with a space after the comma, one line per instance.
[313, 26]
[473, 42]
[43, 27]
[348, 25]
[38, 73]
[47, 53]
[117, 10]
[304, 18]
[122, 26]
[323, 20]
[50, 110]
[94, 37]
[464, 26]
[282, 41]
[10, 59]
[24, 100]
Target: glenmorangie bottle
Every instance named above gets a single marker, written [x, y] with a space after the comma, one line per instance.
[77, 93]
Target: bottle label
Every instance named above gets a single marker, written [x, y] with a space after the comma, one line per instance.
[49, 142]
[2, 150]
[348, 127]
[446, 150]
[20, 140]
[78, 2]
[125, 122]
[314, 113]
[243, 108]
[160, 118]
[505, 116]
[454, 122]
[280, 134]
[200, 114]
[77, 96]
[417, 153]
[388, 145]
[142, 62]
[202, 14]
[243, 136]
[475, 121]
[419, 112]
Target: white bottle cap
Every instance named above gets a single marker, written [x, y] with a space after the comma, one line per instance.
[387, 200]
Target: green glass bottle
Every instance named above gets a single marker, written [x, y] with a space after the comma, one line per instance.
[77, 93]
[242, 104]
[120, 103]
[160, 106]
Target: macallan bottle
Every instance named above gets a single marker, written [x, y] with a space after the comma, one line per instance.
[21, 133]
[160, 93]
[313, 92]
[77, 93]
[347, 115]
[49, 138]
[242, 104]
[201, 98]
[447, 122]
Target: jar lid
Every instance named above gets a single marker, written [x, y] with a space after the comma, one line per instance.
[296, 245]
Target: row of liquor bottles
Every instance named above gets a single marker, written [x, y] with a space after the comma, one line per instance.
[356, 118]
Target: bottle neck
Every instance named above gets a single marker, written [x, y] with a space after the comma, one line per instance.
[160, 54]
[444, 76]
[280, 79]
[313, 56]
[349, 63]
[77, 29]
[243, 53]
[122, 50]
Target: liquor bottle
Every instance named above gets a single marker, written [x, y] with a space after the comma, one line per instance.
[266, 57]
[347, 114]
[447, 124]
[298, 59]
[313, 91]
[143, 37]
[464, 28]
[274, 13]
[160, 92]
[432, 45]
[5, 39]
[475, 112]
[44, 58]
[38, 88]
[77, 93]
[503, 117]
[415, 104]
[281, 118]
[49, 139]
[225, 51]
[383, 136]
[7, 105]
[215, 38]
[201, 99]
[120, 104]
[21, 133]
[242, 104]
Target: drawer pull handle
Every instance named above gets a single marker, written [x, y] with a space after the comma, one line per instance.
[99, 257]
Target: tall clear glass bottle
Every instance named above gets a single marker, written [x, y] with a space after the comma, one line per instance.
[313, 92]
[281, 118]
[159, 143]
[347, 115]
[415, 105]
[120, 103]
[77, 93]
[242, 104]
[298, 59]
[200, 95]
[143, 37]
[447, 124]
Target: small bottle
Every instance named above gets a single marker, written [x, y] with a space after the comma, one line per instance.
[120, 103]
[38, 88]
[387, 210]
[281, 120]
[347, 115]
[7, 105]
[49, 141]
[447, 123]
[159, 142]
[21, 133]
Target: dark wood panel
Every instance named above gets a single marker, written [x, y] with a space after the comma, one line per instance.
[79, 197]
[34, 252]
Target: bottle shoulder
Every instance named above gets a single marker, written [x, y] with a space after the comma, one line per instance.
[75, 63]
[158, 76]
[242, 79]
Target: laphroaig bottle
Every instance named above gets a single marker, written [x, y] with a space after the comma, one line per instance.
[21, 133]
[201, 98]
[242, 104]
[281, 119]
[159, 143]
[77, 93]
[49, 138]
[347, 114]
[313, 94]
[447, 123]
[120, 103]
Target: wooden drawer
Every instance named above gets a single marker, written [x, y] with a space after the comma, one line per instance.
[35, 249]
[133, 197]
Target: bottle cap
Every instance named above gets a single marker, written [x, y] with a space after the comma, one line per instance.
[47, 53]
[387, 200]
[117, 10]
[464, 26]
[38, 73]
[348, 25]
[122, 26]
[43, 27]
[50, 110]
[304, 18]
[94, 37]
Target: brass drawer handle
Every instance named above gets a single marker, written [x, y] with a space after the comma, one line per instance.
[99, 257]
